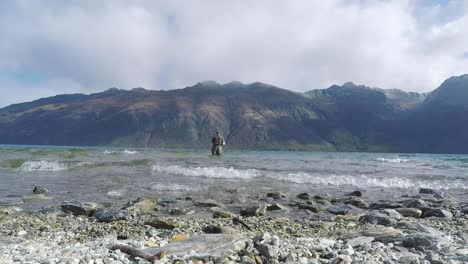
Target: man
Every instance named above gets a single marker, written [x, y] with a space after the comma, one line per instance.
[217, 144]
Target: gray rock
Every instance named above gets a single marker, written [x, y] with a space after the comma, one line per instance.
[110, 215]
[40, 190]
[414, 203]
[381, 217]
[254, 211]
[385, 205]
[309, 207]
[276, 195]
[323, 197]
[381, 234]
[180, 211]
[409, 212]
[337, 210]
[213, 229]
[356, 193]
[223, 214]
[267, 246]
[438, 213]
[159, 223]
[358, 202]
[360, 242]
[304, 196]
[86, 209]
[427, 191]
[276, 207]
[426, 241]
[208, 203]
[465, 210]
[142, 206]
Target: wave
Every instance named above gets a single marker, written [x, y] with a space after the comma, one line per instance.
[396, 160]
[43, 165]
[361, 181]
[117, 152]
[209, 172]
[173, 187]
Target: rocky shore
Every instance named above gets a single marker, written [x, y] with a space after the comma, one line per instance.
[272, 227]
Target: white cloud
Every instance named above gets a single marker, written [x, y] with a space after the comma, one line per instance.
[300, 45]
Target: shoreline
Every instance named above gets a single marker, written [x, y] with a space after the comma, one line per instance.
[277, 228]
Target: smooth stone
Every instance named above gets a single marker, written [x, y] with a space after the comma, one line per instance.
[323, 197]
[381, 217]
[40, 190]
[426, 240]
[208, 203]
[382, 234]
[254, 211]
[180, 211]
[358, 202]
[409, 212]
[159, 223]
[204, 246]
[304, 196]
[142, 206]
[309, 207]
[385, 205]
[415, 203]
[22, 233]
[213, 229]
[276, 207]
[356, 193]
[465, 210]
[337, 210]
[7, 201]
[427, 191]
[86, 209]
[438, 213]
[360, 241]
[223, 214]
[110, 215]
[276, 195]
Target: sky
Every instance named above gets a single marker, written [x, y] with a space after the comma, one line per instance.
[52, 47]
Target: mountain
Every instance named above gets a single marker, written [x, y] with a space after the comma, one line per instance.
[251, 116]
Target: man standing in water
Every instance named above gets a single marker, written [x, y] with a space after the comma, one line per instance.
[217, 144]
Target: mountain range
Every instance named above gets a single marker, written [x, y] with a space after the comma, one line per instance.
[250, 116]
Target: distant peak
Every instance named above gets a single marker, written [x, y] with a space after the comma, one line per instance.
[234, 83]
[113, 89]
[209, 83]
[138, 89]
[349, 84]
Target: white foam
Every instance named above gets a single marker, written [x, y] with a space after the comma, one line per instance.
[396, 160]
[209, 172]
[126, 151]
[117, 193]
[44, 165]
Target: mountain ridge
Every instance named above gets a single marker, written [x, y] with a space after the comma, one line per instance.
[252, 116]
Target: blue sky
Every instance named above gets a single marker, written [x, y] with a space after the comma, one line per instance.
[87, 46]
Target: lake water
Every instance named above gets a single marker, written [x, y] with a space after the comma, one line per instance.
[118, 175]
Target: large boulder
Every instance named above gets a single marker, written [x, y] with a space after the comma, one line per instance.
[438, 213]
[409, 212]
[76, 208]
[381, 217]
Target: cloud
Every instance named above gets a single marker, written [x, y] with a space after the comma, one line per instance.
[89, 46]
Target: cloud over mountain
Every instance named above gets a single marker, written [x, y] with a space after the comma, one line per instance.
[86, 46]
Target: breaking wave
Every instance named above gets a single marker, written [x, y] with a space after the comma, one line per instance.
[396, 160]
[116, 152]
[209, 172]
[43, 165]
[361, 181]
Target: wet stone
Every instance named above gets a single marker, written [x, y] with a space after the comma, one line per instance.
[381, 217]
[358, 202]
[276, 195]
[438, 213]
[385, 205]
[208, 203]
[309, 207]
[409, 212]
[213, 229]
[159, 223]
[40, 190]
[356, 193]
[337, 210]
[275, 207]
[110, 215]
[304, 196]
[416, 203]
[254, 211]
[86, 209]
[465, 210]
